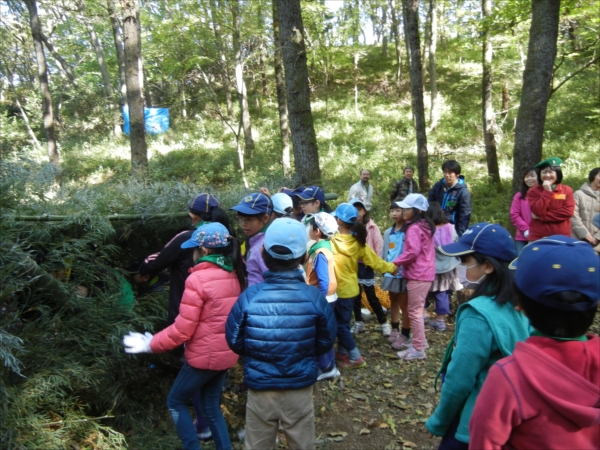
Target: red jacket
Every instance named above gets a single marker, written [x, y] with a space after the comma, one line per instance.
[545, 395]
[210, 293]
[554, 209]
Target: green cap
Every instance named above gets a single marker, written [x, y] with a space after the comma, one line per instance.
[549, 162]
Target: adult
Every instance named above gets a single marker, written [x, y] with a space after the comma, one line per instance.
[520, 213]
[407, 185]
[451, 192]
[552, 204]
[587, 205]
[363, 190]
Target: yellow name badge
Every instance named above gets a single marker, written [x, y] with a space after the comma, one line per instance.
[392, 245]
[560, 196]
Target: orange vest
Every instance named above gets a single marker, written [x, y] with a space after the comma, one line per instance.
[311, 275]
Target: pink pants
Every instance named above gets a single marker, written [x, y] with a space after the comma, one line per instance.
[417, 293]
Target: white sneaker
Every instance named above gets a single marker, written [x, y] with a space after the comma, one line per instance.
[333, 373]
[386, 329]
[358, 327]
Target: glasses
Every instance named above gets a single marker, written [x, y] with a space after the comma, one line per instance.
[245, 220]
[307, 202]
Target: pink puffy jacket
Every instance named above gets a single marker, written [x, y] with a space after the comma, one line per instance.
[210, 293]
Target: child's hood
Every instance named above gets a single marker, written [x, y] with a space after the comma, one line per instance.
[565, 374]
[345, 244]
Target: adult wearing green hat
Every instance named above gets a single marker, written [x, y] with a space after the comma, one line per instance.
[552, 203]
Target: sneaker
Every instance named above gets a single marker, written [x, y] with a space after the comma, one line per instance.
[411, 353]
[205, 435]
[343, 357]
[437, 325]
[332, 373]
[354, 363]
[386, 329]
[358, 327]
[393, 335]
[401, 342]
[365, 313]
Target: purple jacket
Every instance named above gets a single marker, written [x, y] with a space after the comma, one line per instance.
[255, 265]
[418, 255]
[520, 216]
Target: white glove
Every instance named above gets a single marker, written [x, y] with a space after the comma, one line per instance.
[526, 234]
[137, 342]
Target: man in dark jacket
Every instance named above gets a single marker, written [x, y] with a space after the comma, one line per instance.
[451, 192]
[280, 326]
[407, 185]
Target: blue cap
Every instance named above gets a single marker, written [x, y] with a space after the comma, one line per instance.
[489, 239]
[203, 203]
[354, 201]
[282, 204]
[288, 233]
[312, 193]
[210, 235]
[346, 213]
[555, 264]
[256, 203]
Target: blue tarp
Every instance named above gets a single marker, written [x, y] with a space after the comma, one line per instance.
[157, 120]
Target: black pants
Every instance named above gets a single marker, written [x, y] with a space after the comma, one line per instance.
[373, 301]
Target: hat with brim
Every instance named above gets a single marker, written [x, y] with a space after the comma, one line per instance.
[210, 235]
[282, 203]
[489, 239]
[203, 203]
[549, 162]
[414, 201]
[346, 212]
[288, 234]
[312, 193]
[356, 201]
[253, 204]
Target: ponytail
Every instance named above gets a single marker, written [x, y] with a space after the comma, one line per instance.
[219, 215]
[359, 231]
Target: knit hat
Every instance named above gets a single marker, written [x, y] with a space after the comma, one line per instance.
[489, 239]
[287, 233]
[203, 203]
[210, 235]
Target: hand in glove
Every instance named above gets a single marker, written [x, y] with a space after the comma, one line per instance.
[526, 234]
[137, 342]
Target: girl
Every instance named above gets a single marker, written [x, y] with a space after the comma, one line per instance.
[211, 290]
[418, 261]
[446, 277]
[520, 213]
[487, 328]
[349, 245]
[366, 275]
[393, 242]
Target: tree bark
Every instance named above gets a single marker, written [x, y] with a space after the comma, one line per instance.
[120, 52]
[36, 33]
[135, 96]
[434, 111]
[239, 79]
[406, 38]
[304, 139]
[63, 64]
[384, 39]
[411, 31]
[488, 117]
[284, 131]
[541, 52]
[396, 35]
[36, 143]
[224, 69]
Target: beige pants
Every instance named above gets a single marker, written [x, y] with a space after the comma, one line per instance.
[293, 408]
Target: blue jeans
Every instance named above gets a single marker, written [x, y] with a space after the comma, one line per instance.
[210, 384]
[326, 361]
[343, 314]
[519, 246]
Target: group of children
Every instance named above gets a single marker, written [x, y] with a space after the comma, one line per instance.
[303, 283]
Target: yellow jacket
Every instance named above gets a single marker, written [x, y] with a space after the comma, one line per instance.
[346, 254]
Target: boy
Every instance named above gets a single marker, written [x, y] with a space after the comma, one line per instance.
[545, 395]
[451, 192]
[253, 216]
[279, 326]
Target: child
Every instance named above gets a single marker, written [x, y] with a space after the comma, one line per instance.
[418, 261]
[253, 215]
[366, 275]
[312, 201]
[446, 277]
[321, 274]
[487, 328]
[279, 326]
[393, 242]
[546, 394]
[210, 292]
[350, 245]
[520, 212]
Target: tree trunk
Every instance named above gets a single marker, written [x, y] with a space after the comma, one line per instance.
[396, 35]
[541, 52]
[304, 139]
[411, 31]
[239, 79]
[135, 96]
[36, 33]
[36, 143]
[356, 56]
[219, 41]
[406, 38]
[434, 111]
[284, 130]
[118, 40]
[505, 100]
[384, 39]
[63, 64]
[489, 119]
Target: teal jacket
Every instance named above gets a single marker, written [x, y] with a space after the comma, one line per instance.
[485, 332]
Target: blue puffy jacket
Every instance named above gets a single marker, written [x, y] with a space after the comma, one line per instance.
[455, 201]
[279, 326]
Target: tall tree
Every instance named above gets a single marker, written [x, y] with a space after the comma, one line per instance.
[224, 73]
[117, 31]
[411, 31]
[239, 78]
[36, 33]
[396, 35]
[135, 96]
[535, 93]
[284, 131]
[434, 113]
[488, 117]
[304, 139]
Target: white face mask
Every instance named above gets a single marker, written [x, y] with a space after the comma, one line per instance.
[462, 275]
